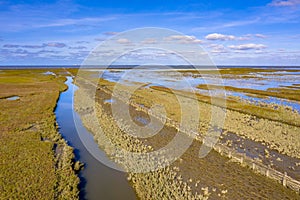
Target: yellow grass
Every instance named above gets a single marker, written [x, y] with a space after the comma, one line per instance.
[29, 167]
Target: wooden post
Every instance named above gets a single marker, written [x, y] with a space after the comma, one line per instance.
[253, 165]
[268, 173]
[284, 179]
[229, 154]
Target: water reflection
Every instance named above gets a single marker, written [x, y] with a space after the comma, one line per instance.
[97, 180]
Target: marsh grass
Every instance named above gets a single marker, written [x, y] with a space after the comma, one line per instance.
[242, 72]
[285, 93]
[29, 167]
[143, 96]
[190, 177]
[277, 128]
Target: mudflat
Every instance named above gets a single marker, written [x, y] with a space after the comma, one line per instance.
[191, 177]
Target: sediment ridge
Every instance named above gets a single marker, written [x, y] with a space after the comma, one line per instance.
[183, 178]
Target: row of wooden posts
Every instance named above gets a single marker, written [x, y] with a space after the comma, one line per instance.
[242, 158]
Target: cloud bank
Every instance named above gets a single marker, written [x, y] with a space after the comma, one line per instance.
[285, 3]
[247, 46]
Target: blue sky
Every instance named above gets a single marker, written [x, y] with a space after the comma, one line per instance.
[232, 32]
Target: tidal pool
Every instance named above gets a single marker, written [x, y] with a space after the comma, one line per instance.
[13, 98]
[174, 80]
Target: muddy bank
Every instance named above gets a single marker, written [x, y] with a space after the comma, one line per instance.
[266, 141]
[96, 180]
[190, 177]
[276, 135]
[163, 183]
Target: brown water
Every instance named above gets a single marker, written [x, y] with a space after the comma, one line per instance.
[97, 180]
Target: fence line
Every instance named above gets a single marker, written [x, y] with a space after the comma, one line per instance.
[235, 156]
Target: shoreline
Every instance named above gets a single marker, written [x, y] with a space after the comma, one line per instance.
[164, 181]
[97, 180]
[74, 164]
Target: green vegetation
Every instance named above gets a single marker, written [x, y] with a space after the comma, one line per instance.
[35, 161]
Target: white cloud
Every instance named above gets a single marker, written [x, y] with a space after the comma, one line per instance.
[251, 36]
[248, 46]
[149, 41]
[260, 36]
[185, 39]
[123, 41]
[218, 36]
[222, 37]
[218, 48]
[243, 38]
[285, 3]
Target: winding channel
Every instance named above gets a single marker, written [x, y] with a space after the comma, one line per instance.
[97, 180]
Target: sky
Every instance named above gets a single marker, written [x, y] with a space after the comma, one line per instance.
[231, 32]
